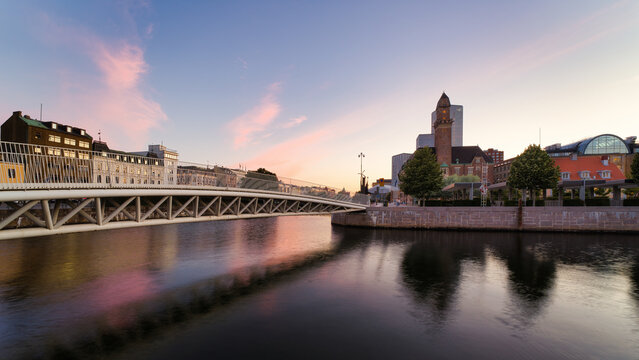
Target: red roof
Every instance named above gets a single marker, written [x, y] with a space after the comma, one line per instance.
[593, 164]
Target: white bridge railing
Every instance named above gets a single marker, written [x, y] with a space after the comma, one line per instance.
[34, 167]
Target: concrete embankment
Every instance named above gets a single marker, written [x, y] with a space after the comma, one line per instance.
[572, 219]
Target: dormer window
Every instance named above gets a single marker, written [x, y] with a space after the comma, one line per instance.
[604, 174]
[565, 176]
[585, 174]
[68, 128]
[82, 132]
[54, 126]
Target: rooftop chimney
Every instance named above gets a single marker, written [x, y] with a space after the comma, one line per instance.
[604, 160]
[17, 113]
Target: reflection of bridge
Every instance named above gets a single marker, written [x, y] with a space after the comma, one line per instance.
[43, 193]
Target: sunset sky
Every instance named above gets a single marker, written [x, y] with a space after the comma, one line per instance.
[302, 87]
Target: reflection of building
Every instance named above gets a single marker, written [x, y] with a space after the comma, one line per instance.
[496, 155]
[398, 162]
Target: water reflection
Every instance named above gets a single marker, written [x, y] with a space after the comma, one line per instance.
[431, 267]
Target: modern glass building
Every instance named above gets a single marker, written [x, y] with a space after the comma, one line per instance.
[606, 144]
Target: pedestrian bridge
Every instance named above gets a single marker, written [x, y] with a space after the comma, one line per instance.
[45, 212]
[48, 190]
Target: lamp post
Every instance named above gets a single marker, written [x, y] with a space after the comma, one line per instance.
[361, 157]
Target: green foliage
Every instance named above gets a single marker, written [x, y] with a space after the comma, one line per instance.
[601, 192]
[598, 202]
[533, 169]
[573, 202]
[631, 202]
[421, 176]
[634, 168]
[458, 179]
[631, 192]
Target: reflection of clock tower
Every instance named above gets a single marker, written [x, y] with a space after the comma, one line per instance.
[443, 126]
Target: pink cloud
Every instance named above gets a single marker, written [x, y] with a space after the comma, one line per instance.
[295, 121]
[256, 120]
[111, 99]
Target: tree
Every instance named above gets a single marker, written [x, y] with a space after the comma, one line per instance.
[421, 176]
[634, 168]
[532, 170]
[461, 178]
[264, 171]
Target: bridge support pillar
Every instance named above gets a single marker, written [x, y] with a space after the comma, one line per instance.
[138, 209]
[47, 213]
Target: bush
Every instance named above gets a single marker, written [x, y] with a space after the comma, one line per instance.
[573, 202]
[474, 202]
[631, 202]
[537, 203]
[433, 203]
[598, 202]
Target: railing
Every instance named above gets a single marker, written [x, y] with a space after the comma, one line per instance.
[28, 166]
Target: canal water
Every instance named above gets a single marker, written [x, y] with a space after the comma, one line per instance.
[297, 287]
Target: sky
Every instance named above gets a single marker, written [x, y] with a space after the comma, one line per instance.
[302, 87]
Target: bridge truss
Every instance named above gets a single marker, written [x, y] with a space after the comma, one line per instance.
[47, 212]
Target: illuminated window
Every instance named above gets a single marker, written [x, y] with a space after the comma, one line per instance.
[69, 153]
[82, 132]
[54, 126]
[37, 150]
[68, 141]
[54, 138]
[53, 152]
[84, 144]
[68, 128]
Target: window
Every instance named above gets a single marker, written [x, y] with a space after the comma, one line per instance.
[37, 136]
[565, 176]
[54, 138]
[68, 141]
[605, 174]
[606, 144]
[69, 153]
[53, 152]
[84, 144]
[457, 171]
[37, 150]
[83, 156]
[82, 132]
[54, 126]
[11, 173]
[68, 128]
[470, 171]
[99, 178]
[585, 174]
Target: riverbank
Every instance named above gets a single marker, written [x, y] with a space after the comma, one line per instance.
[559, 219]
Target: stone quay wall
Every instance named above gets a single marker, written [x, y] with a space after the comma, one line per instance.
[570, 219]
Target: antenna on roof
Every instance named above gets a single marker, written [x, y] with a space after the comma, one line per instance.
[100, 135]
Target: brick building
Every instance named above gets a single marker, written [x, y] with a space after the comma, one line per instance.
[496, 155]
[457, 160]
